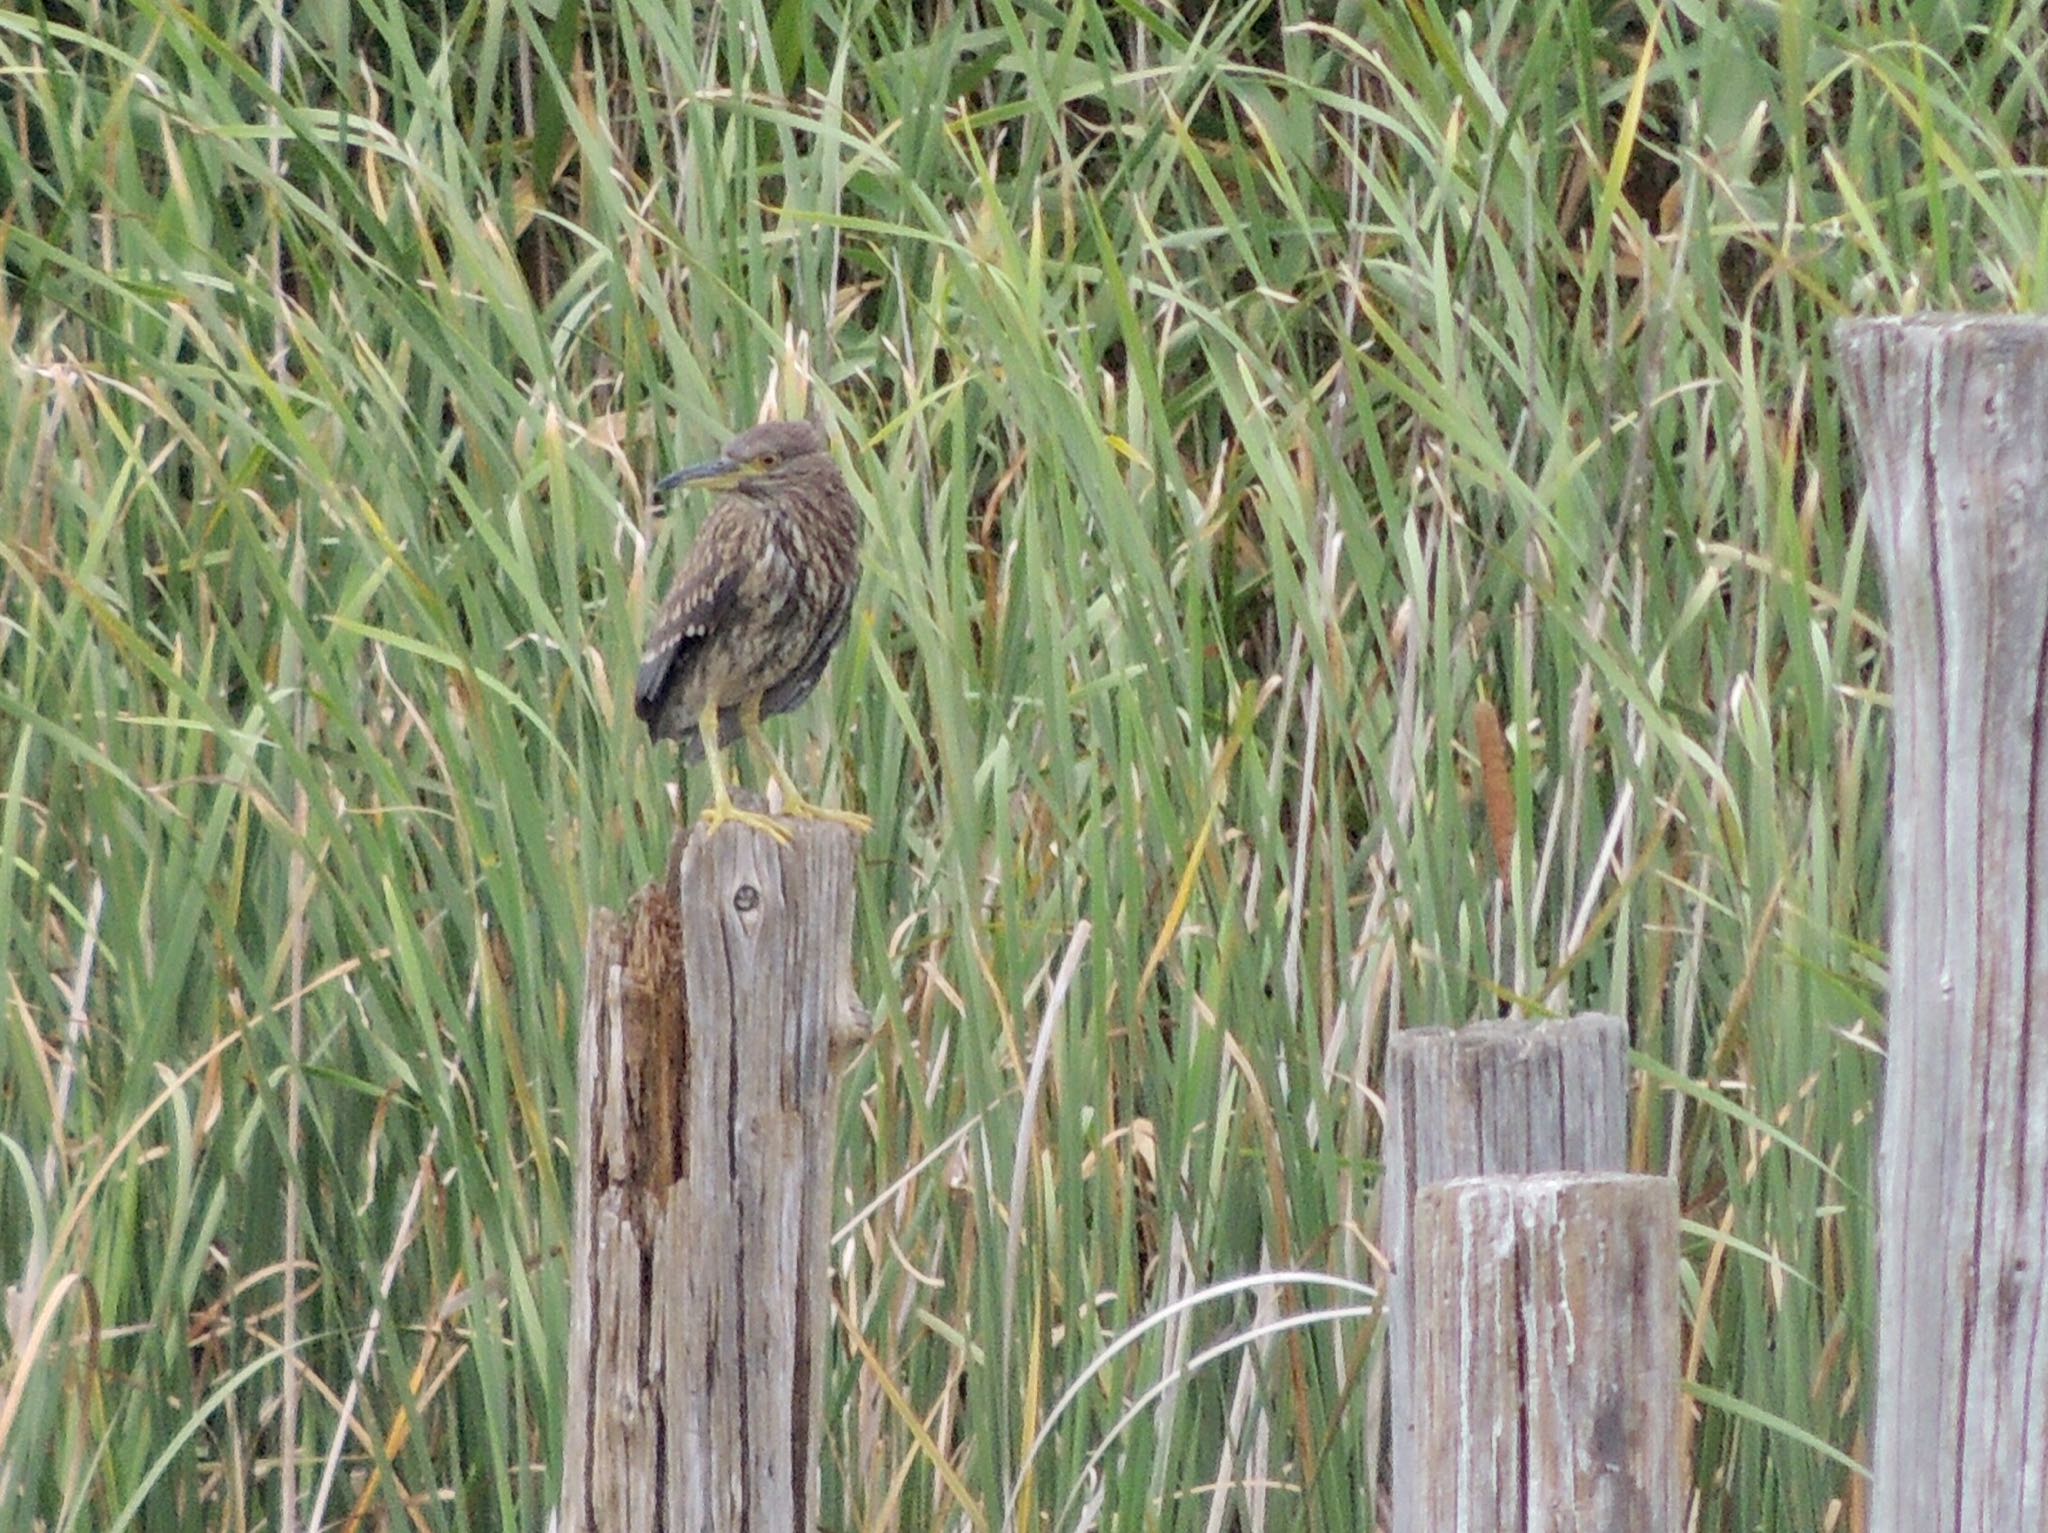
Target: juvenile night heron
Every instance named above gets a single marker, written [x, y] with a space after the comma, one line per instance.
[763, 597]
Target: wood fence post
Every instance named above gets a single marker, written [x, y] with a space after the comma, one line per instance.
[1951, 420]
[1491, 1097]
[698, 1334]
[1546, 1357]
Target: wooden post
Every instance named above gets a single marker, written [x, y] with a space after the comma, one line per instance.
[703, 1187]
[1546, 1360]
[1951, 418]
[1492, 1097]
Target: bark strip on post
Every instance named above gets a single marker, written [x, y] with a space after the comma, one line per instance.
[1546, 1358]
[703, 1180]
[1491, 1097]
[1951, 418]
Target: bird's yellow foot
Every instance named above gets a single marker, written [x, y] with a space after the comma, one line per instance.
[725, 812]
[797, 807]
[804, 809]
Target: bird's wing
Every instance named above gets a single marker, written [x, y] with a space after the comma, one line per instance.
[698, 601]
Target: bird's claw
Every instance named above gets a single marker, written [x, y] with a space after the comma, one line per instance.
[718, 815]
[860, 824]
[797, 807]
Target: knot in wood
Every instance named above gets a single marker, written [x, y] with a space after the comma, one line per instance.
[746, 899]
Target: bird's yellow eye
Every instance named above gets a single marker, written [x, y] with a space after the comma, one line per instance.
[767, 459]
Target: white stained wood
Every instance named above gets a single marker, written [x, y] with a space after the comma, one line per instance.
[697, 1316]
[1546, 1355]
[1951, 421]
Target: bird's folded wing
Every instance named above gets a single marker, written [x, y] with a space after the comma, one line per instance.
[697, 603]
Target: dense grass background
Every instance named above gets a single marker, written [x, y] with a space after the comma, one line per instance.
[1361, 534]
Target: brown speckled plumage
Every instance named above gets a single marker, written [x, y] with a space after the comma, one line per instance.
[764, 593]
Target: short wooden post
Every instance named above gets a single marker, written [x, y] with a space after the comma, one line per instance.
[703, 1187]
[1546, 1360]
[1492, 1097]
[1951, 418]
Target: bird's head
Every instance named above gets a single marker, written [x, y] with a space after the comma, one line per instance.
[756, 459]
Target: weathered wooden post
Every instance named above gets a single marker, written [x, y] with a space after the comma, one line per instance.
[1546, 1357]
[1499, 1101]
[1492, 1097]
[1951, 419]
[703, 1187]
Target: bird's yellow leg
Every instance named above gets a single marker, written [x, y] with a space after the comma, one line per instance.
[722, 810]
[793, 800]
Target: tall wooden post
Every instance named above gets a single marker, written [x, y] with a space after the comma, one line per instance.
[1494, 1097]
[1546, 1357]
[1951, 418]
[703, 1187]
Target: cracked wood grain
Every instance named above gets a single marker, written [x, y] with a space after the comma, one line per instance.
[713, 1013]
[1492, 1097]
[1546, 1358]
[1951, 422]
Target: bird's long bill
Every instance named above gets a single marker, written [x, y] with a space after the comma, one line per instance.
[719, 471]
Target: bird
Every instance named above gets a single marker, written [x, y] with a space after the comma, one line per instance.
[763, 597]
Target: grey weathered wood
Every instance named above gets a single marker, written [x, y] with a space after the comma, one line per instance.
[703, 1176]
[1951, 418]
[1546, 1360]
[1491, 1097]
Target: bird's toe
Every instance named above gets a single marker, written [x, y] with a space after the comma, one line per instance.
[720, 815]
